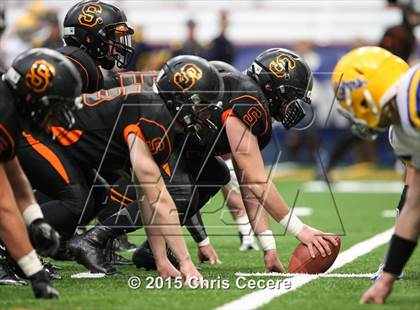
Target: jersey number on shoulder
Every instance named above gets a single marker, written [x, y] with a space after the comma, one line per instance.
[106, 95]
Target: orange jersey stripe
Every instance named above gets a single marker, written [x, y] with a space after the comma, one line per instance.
[66, 138]
[119, 201]
[49, 155]
[114, 191]
[167, 169]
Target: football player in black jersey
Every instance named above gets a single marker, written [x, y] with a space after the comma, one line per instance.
[244, 113]
[34, 92]
[118, 129]
[96, 34]
[278, 85]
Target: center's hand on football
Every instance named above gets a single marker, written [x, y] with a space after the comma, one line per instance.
[315, 238]
[208, 253]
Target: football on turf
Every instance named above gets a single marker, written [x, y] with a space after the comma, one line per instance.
[302, 262]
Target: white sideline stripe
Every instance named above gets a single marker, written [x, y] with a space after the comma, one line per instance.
[259, 298]
[320, 275]
[354, 187]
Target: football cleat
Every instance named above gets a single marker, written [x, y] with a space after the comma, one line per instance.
[143, 257]
[122, 244]
[88, 250]
[248, 243]
[112, 257]
[379, 272]
[63, 253]
[41, 286]
[8, 276]
[51, 269]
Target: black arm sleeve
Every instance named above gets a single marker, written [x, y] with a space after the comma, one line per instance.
[195, 226]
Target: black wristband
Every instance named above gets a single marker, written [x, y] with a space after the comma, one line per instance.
[402, 198]
[399, 252]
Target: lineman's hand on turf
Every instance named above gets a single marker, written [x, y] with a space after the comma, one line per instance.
[379, 291]
[166, 269]
[190, 274]
[44, 238]
[316, 238]
[208, 253]
[272, 262]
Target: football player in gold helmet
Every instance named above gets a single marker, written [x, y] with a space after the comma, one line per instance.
[377, 90]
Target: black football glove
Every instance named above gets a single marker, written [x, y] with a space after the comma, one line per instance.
[44, 238]
[41, 286]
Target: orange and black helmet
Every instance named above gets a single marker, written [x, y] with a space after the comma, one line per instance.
[102, 30]
[45, 85]
[286, 81]
[190, 85]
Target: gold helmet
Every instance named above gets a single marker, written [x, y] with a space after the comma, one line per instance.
[363, 80]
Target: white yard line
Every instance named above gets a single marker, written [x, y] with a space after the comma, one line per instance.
[354, 187]
[259, 298]
[288, 275]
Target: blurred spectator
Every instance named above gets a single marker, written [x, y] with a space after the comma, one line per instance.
[221, 48]
[145, 57]
[141, 51]
[20, 38]
[54, 39]
[191, 45]
[400, 39]
[302, 145]
[2, 28]
[37, 8]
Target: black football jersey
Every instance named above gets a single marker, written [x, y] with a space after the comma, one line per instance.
[90, 73]
[243, 99]
[9, 124]
[99, 137]
[121, 79]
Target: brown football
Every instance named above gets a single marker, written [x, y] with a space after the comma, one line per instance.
[302, 262]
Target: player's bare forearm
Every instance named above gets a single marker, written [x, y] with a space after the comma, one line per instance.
[408, 223]
[162, 217]
[22, 189]
[257, 215]
[410, 173]
[234, 202]
[157, 200]
[12, 228]
[250, 168]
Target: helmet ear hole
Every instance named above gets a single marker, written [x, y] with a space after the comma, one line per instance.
[364, 104]
[268, 86]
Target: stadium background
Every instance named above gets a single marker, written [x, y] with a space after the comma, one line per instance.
[321, 31]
